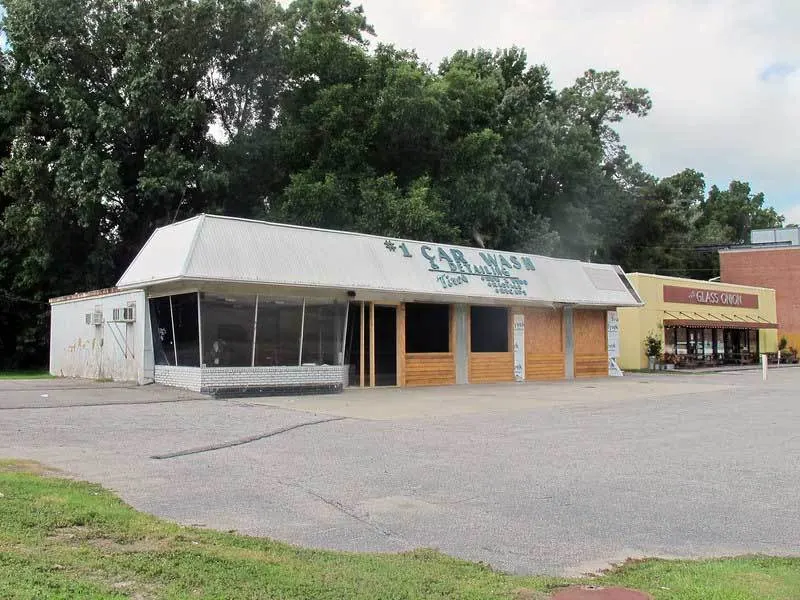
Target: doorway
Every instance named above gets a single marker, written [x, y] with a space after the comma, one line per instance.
[385, 351]
[385, 345]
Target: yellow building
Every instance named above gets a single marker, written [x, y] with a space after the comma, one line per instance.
[700, 323]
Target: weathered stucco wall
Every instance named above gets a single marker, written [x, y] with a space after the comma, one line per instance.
[111, 350]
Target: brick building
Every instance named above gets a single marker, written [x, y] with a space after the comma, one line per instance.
[772, 260]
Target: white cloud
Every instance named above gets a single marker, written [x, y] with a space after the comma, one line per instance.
[703, 63]
[793, 215]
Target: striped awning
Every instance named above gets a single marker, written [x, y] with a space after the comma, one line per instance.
[706, 320]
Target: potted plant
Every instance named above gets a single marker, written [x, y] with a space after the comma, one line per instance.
[782, 352]
[652, 348]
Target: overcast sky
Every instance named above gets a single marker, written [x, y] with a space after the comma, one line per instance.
[724, 75]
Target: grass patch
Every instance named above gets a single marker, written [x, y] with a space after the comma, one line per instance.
[61, 538]
[25, 375]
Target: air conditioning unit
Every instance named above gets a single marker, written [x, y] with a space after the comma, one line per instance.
[125, 314]
[97, 317]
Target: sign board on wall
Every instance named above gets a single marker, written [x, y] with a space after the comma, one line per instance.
[687, 295]
[519, 347]
[612, 335]
[503, 273]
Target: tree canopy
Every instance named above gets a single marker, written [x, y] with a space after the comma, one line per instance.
[119, 116]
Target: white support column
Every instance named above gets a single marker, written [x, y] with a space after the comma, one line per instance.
[569, 342]
[462, 337]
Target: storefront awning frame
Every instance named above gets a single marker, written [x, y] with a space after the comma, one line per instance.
[698, 320]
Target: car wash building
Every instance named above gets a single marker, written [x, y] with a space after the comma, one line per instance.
[225, 305]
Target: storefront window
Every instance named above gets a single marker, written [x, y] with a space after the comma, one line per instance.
[278, 332]
[427, 328]
[681, 341]
[708, 342]
[669, 340]
[488, 329]
[187, 339]
[227, 330]
[694, 342]
[161, 325]
[322, 332]
[754, 341]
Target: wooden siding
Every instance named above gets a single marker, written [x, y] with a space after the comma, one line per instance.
[544, 344]
[489, 367]
[591, 350]
[542, 367]
[430, 369]
[591, 365]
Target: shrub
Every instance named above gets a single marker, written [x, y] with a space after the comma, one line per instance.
[653, 345]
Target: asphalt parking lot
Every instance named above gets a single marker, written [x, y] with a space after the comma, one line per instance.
[557, 478]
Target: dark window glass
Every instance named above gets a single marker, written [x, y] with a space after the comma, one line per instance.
[187, 339]
[427, 328]
[488, 329]
[161, 326]
[228, 330]
[278, 332]
[322, 332]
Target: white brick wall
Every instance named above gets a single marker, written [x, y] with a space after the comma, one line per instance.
[198, 379]
[271, 376]
[189, 378]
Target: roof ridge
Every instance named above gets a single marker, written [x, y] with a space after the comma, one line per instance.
[190, 252]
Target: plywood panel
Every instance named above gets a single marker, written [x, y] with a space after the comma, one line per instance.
[591, 365]
[401, 345]
[591, 351]
[488, 367]
[590, 332]
[543, 331]
[543, 367]
[430, 369]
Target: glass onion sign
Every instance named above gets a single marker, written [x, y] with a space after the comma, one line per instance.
[501, 273]
[686, 295]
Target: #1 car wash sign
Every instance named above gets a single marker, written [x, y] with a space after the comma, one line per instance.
[686, 295]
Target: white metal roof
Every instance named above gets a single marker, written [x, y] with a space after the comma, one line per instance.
[217, 249]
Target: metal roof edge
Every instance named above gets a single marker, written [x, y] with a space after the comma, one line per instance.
[385, 237]
[372, 290]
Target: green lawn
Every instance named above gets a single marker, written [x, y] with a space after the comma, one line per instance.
[64, 539]
[25, 375]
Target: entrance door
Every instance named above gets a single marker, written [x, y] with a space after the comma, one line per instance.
[385, 350]
[385, 345]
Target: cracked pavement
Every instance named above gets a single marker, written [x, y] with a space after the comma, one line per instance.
[553, 478]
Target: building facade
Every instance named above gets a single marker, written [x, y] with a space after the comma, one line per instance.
[700, 323]
[233, 306]
[772, 260]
